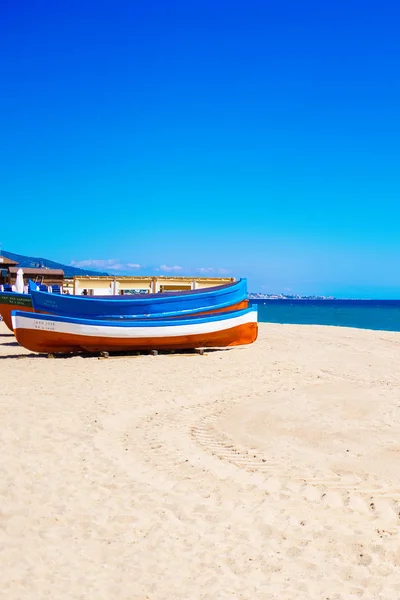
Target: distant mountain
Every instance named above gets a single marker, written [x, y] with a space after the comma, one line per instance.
[30, 262]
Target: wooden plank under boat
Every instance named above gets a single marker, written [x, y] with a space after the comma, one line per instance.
[55, 334]
[10, 301]
[224, 297]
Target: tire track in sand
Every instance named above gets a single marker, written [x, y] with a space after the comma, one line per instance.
[336, 492]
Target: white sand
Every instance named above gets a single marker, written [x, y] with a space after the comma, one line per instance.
[262, 472]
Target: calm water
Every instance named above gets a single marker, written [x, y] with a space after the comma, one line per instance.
[383, 315]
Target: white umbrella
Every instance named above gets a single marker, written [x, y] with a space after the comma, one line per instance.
[19, 282]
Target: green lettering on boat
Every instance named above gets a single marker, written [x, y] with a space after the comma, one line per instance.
[15, 300]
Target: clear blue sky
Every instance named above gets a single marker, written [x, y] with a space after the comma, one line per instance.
[257, 138]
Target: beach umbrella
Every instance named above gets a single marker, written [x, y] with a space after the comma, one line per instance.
[19, 282]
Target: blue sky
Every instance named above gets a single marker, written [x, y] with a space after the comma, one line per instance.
[256, 139]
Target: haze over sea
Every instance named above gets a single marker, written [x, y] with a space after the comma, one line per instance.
[383, 315]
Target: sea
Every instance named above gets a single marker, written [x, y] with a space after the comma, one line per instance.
[382, 315]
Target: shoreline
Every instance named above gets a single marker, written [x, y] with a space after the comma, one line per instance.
[263, 471]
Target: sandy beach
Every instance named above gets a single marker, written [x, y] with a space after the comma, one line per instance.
[270, 471]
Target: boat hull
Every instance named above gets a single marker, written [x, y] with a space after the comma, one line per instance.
[10, 301]
[48, 334]
[142, 305]
[170, 315]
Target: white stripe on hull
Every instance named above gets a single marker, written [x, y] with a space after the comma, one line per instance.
[104, 331]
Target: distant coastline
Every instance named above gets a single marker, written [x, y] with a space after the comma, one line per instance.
[260, 296]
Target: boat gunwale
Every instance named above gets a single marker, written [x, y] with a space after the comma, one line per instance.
[161, 297]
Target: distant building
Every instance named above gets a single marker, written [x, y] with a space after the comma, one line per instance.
[5, 264]
[127, 284]
[9, 268]
[39, 275]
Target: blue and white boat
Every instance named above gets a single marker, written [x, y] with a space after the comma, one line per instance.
[51, 334]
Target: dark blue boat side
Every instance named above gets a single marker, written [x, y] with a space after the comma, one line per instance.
[141, 305]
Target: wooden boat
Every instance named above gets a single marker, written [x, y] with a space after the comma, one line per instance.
[221, 298]
[10, 301]
[52, 334]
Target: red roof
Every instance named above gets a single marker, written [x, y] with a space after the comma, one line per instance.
[38, 271]
[7, 261]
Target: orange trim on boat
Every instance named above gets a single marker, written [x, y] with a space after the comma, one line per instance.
[5, 312]
[51, 341]
[238, 306]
